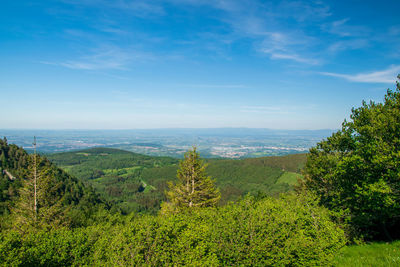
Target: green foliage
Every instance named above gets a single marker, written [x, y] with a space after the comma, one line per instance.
[48, 211]
[241, 177]
[290, 178]
[62, 199]
[194, 188]
[132, 181]
[374, 254]
[291, 163]
[95, 162]
[291, 231]
[14, 161]
[137, 183]
[44, 248]
[356, 170]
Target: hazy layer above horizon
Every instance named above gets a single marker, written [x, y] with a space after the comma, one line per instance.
[216, 142]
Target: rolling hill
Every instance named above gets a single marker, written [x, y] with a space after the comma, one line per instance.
[137, 182]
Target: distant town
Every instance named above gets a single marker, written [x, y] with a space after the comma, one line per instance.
[212, 143]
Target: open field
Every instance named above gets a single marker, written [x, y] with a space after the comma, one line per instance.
[373, 254]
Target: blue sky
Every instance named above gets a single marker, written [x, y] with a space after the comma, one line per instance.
[97, 64]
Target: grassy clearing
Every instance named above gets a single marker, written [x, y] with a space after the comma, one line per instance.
[83, 154]
[68, 168]
[374, 254]
[122, 171]
[289, 178]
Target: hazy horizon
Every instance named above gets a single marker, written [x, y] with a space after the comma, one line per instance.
[211, 142]
[165, 128]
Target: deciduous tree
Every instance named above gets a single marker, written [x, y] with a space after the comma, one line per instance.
[357, 169]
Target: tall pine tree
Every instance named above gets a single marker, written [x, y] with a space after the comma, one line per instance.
[194, 188]
[48, 211]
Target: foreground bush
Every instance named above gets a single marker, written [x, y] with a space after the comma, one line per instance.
[286, 231]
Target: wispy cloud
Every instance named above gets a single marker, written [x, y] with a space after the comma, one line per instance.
[140, 8]
[279, 45]
[294, 57]
[348, 45]
[278, 29]
[105, 59]
[227, 86]
[384, 76]
[303, 10]
[229, 6]
[344, 29]
[263, 24]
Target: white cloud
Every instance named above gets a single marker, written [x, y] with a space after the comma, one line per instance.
[348, 45]
[384, 76]
[343, 29]
[140, 8]
[263, 23]
[303, 10]
[106, 58]
[279, 45]
[294, 57]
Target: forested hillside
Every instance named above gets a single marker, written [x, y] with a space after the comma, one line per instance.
[14, 162]
[138, 182]
[55, 189]
[73, 226]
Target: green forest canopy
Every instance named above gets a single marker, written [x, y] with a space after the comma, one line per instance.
[226, 235]
[138, 182]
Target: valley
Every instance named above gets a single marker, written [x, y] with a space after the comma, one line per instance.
[137, 183]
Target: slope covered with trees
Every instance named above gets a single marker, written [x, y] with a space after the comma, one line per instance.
[57, 193]
[138, 182]
[14, 162]
[298, 232]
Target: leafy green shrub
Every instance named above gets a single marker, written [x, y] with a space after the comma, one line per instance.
[285, 231]
[290, 230]
[56, 248]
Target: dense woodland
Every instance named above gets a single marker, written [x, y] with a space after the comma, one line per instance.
[75, 226]
[137, 183]
[102, 207]
[55, 187]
